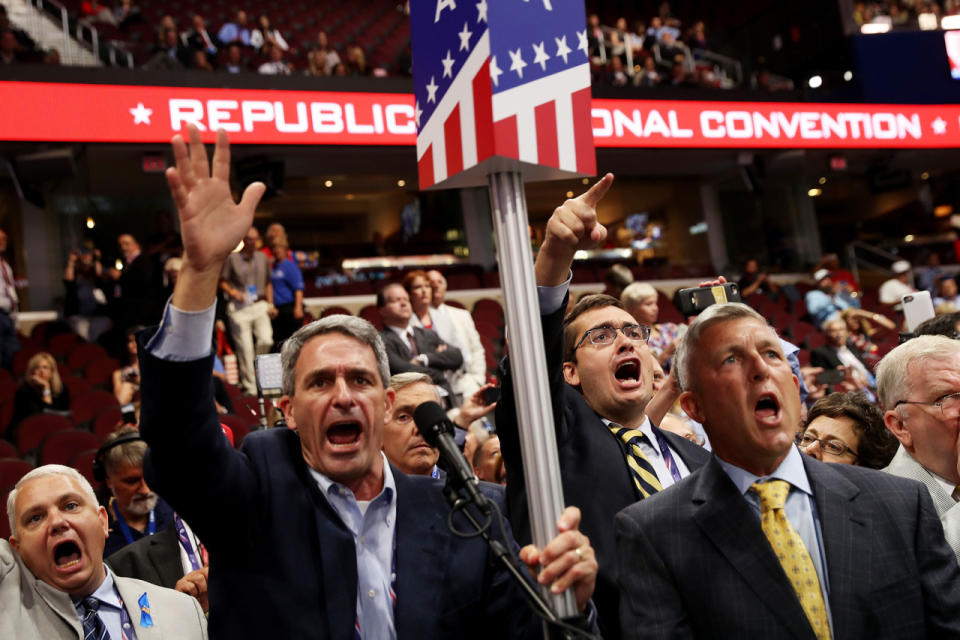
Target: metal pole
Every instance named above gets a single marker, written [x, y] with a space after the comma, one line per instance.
[538, 444]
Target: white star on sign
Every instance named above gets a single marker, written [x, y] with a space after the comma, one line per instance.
[447, 65]
[540, 56]
[939, 126]
[432, 91]
[562, 49]
[582, 41]
[516, 62]
[417, 111]
[482, 10]
[494, 71]
[141, 115]
[465, 38]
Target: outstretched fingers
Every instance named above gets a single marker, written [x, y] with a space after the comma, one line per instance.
[594, 194]
[251, 198]
[177, 188]
[198, 154]
[221, 157]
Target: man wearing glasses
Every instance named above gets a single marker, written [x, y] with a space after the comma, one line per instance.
[919, 385]
[601, 380]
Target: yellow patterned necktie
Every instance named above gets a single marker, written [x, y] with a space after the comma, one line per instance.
[643, 473]
[792, 553]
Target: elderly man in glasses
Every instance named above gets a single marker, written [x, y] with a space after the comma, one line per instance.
[919, 385]
[601, 380]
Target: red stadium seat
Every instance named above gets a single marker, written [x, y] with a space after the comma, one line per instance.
[86, 406]
[371, 314]
[484, 304]
[6, 413]
[11, 470]
[32, 430]
[107, 421]
[20, 359]
[75, 385]
[334, 310]
[83, 462]
[82, 354]
[60, 447]
[239, 426]
[454, 303]
[4, 520]
[99, 372]
[6, 377]
[61, 344]
[7, 450]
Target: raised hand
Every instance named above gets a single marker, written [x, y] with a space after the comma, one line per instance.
[572, 227]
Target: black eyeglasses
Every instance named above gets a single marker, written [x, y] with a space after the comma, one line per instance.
[602, 336]
[949, 405]
[833, 447]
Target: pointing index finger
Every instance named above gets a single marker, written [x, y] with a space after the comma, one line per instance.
[594, 194]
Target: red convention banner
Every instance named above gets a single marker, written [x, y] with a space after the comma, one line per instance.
[35, 111]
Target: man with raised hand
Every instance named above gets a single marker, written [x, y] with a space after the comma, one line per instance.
[310, 531]
[600, 380]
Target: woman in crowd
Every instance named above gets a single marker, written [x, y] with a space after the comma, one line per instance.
[126, 380]
[861, 327]
[286, 294]
[85, 303]
[640, 301]
[846, 428]
[418, 288]
[266, 33]
[41, 391]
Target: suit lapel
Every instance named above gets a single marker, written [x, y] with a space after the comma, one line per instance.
[726, 519]
[422, 546]
[164, 554]
[844, 524]
[58, 601]
[130, 595]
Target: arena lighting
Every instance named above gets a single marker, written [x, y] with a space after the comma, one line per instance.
[350, 196]
[401, 183]
[328, 183]
[927, 21]
[943, 210]
[118, 265]
[91, 223]
[815, 82]
[950, 22]
[822, 180]
[908, 238]
[813, 193]
[585, 181]
[924, 176]
[847, 76]
[873, 27]
[569, 194]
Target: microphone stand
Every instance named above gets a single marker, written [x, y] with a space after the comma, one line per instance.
[459, 503]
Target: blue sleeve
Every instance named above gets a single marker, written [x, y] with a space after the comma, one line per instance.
[550, 298]
[183, 336]
[294, 277]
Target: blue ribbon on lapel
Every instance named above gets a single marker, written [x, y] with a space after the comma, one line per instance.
[146, 620]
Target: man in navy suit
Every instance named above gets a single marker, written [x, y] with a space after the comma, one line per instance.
[311, 533]
[719, 555]
[600, 378]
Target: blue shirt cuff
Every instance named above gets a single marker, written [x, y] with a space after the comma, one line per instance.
[550, 298]
[183, 335]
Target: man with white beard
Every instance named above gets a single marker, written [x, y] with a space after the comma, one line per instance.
[134, 510]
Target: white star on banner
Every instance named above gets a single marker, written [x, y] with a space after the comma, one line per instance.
[562, 49]
[432, 90]
[540, 56]
[141, 115]
[582, 41]
[417, 112]
[939, 126]
[516, 62]
[447, 65]
[494, 71]
[482, 10]
[465, 38]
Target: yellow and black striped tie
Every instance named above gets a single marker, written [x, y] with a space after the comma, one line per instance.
[640, 468]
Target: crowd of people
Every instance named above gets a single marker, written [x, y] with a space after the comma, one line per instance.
[692, 456]
[903, 14]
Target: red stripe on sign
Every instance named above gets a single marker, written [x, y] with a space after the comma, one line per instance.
[425, 168]
[583, 133]
[454, 145]
[483, 112]
[505, 135]
[547, 152]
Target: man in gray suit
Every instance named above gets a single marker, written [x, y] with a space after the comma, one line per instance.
[919, 385]
[764, 542]
[53, 583]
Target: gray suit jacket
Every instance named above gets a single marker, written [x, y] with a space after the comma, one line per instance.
[905, 466]
[695, 562]
[33, 610]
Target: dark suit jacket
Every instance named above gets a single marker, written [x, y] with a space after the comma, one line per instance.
[154, 559]
[399, 354]
[593, 467]
[827, 357]
[695, 562]
[283, 564]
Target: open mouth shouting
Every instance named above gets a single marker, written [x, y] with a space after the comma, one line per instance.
[67, 556]
[344, 436]
[767, 410]
[627, 373]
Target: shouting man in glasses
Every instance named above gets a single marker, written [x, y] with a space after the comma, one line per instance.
[600, 382]
[919, 386]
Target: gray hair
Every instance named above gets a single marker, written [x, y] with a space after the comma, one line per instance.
[350, 326]
[893, 381]
[130, 453]
[637, 292]
[45, 471]
[402, 380]
[714, 314]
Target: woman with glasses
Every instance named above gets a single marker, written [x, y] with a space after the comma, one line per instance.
[846, 428]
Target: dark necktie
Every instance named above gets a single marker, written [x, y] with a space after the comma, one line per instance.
[642, 471]
[93, 627]
[413, 344]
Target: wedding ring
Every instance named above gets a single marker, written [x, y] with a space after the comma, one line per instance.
[579, 554]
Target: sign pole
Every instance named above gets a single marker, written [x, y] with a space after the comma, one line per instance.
[541, 465]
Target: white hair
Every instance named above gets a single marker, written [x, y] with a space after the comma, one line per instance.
[893, 380]
[637, 292]
[45, 471]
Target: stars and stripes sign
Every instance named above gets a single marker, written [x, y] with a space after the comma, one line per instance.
[500, 85]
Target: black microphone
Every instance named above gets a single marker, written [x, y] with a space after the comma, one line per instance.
[437, 429]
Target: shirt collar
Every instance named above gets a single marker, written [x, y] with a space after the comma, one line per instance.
[791, 470]
[646, 427]
[106, 593]
[403, 332]
[328, 486]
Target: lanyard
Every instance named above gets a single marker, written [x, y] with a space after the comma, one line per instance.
[125, 528]
[186, 544]
[125, 622]
[667, 456]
